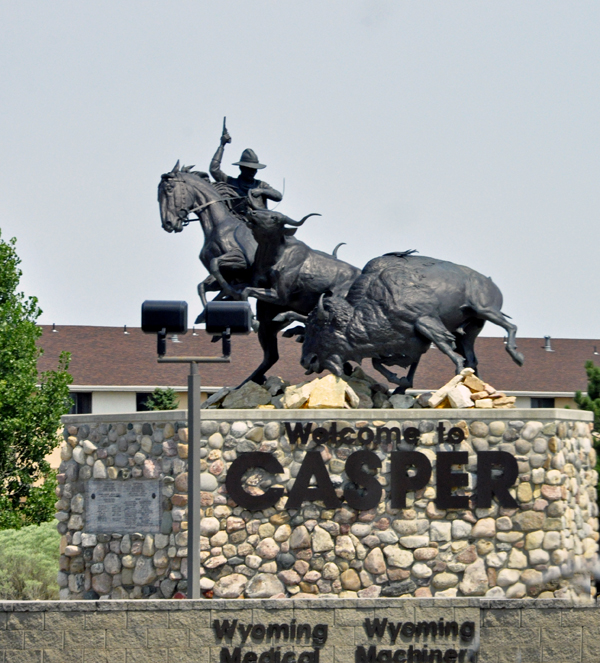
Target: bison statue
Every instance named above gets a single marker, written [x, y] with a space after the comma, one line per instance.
[397, 307]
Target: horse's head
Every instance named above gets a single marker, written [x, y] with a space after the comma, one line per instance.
[176, 197]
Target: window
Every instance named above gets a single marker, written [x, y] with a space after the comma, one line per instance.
[140, 401]
[542, 402]
[82, 402]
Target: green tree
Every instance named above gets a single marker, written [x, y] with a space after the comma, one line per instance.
[31, 404]
[591, 402]
[162, 399]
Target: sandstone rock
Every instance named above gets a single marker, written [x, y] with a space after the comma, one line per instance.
[267, 549]
[414, 541]
[474, 383]
[371, 592]
[496, 560]
[460, 397]
[248, 396]
[516, 591]
[350, 580]
[264, 586]
[517, 559]
[439, 396]
[440, 531]
[444, 580]
[296, 396]
[231, 586]
[328, 392]
[421, 570]
[144, 572]
[475, 579]
[530, 520]
[209, 526]
[461, 529]
[484, 529]
[321, 540]
[300, 538]
[397, 557]
[374, 562]
[531, 430]
[102, 583]
[344, 547]
[289, 577]
[484, 403]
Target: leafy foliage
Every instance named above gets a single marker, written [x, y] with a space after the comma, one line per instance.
[162, 399]
[29, 563]
[591, 402]
[31, 404]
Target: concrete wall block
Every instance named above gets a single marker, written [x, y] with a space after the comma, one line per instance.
[21, 656]
[43, 639]
[345, 617]
[11, 640]
[540, 618]
[63, 656]
[151, 618]
[503, 618]
[106, 620]
[103, 656]
[168, 637]
[522, 653]
[590, 647]
[191, 619]
[561, 644]
[64, 621]
[130, 638]
[148, 656]
[85, 639]
[25, 620]
[499, 637]
[581, 617]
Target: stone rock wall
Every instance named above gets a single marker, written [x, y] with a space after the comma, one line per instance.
[543, 549]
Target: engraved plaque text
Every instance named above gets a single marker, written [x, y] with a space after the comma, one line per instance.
[122, 506]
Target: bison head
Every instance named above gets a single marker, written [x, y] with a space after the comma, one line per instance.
[325, 341]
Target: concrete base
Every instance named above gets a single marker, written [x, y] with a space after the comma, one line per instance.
[333, 631]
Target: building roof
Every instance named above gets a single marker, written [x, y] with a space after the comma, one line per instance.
[106, 357]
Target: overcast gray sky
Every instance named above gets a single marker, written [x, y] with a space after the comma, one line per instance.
[466, 130]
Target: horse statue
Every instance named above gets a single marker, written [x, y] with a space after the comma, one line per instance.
[229, 247]
[228, 251]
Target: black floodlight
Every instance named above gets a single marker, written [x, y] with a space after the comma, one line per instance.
[162, 318]
[232, 317]
[168, 317]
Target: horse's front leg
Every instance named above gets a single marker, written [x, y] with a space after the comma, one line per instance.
[268, 295]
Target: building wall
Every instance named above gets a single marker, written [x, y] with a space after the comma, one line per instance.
[113, 402]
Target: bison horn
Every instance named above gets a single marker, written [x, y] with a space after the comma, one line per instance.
[321, 312]
[296, 224]
[176, 167]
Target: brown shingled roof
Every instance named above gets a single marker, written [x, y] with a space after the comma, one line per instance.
[105, 356]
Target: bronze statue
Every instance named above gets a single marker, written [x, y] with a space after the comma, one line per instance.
[397, 307]
[245, 182]
[390, 312]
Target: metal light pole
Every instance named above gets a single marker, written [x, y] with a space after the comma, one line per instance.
[194, 488]
[222, 318]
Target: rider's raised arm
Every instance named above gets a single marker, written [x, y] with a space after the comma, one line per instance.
[215, 165]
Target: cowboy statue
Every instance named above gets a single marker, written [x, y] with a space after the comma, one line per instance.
[245, 184]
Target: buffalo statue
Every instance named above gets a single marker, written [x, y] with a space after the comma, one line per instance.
[397, 307]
